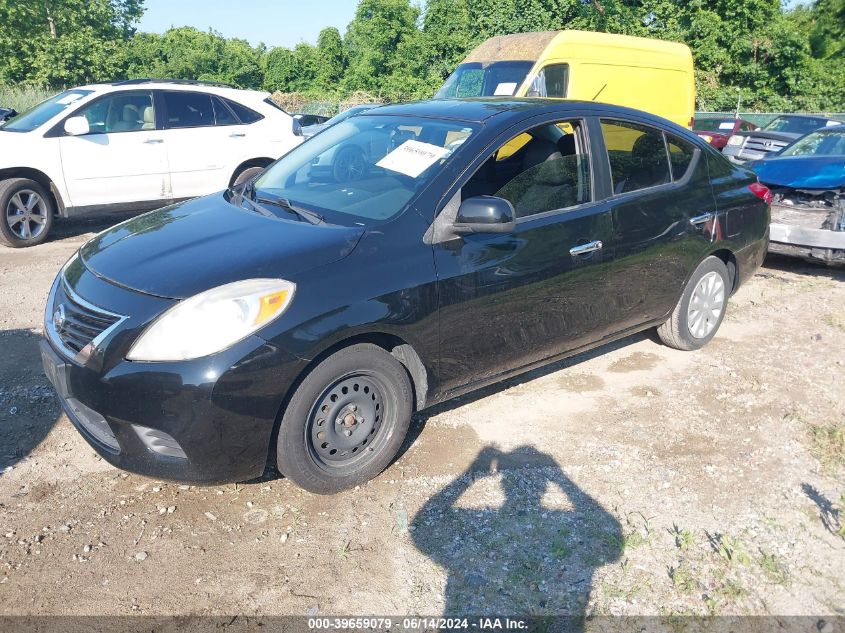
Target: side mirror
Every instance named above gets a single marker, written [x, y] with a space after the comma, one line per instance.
[485, 214]
[77, 126]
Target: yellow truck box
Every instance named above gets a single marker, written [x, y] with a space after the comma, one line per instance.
[647, 74]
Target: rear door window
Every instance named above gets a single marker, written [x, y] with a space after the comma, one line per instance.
[637, 155]
[188, 109]
[222, 114]
[680, 155]
[246, 115]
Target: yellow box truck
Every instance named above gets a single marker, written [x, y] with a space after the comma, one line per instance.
[646, 74]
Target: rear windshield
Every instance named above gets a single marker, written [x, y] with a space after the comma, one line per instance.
[794, 125]
[44, 111]
[496, 79]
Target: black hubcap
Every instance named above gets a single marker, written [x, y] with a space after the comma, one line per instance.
[345, 420]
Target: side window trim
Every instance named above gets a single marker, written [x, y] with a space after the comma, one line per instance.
[666, 185]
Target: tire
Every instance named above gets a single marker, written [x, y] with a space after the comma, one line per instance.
[26, 212]
[707, 289]
[246, 174]
[324, 445]
[349, 164]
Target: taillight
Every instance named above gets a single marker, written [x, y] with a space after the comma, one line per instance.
[761, 191]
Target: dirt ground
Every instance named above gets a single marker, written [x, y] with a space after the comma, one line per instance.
[632, 480]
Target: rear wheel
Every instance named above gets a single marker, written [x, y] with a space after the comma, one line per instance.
[701, 309]
[27, 212]
[346, 421]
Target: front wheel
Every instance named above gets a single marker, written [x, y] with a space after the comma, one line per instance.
[346, 421]
[27, 212]
[701, 309]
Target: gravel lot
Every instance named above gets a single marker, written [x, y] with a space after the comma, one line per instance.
[632, 480]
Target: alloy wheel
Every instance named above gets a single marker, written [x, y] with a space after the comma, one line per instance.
[26, 214]
[706, 305]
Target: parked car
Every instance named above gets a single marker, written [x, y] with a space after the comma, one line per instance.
[6, 114]
[342, 307]
[717, 130]
[306, 120]
[807, 181]
[638, 72]
[313, 130]
[772, 137]
[131, 145]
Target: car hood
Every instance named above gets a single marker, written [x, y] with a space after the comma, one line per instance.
[802, 172]
[187, 248]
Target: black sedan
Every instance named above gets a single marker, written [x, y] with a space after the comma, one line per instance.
[299, 322]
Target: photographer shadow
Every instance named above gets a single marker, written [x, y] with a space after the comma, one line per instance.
[521, 558]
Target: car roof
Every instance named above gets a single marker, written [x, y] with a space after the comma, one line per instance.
[481, 109]
[173, 84]
[814, 117]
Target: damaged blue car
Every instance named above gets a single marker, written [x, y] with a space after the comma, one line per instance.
[807, 181]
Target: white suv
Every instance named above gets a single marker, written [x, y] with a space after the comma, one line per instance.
[132, 145]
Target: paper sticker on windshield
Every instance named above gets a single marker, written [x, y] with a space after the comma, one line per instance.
[68, 99]
[832, 123]
[727, 125]
[505, 89]
[412, 158]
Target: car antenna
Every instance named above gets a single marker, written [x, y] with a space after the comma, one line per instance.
[599, 92]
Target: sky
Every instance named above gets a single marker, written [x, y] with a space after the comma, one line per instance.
[274, 22]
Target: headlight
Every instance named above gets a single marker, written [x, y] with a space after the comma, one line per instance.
[213, 320]
[735, 140]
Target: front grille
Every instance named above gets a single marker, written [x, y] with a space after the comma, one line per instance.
[764, 146]
[80, 322]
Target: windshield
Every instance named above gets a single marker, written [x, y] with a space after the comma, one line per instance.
[818, 144]
[794, 125]
[44, 111]
[485, 80]
[711, 125]
[364, 169]
[350, 112]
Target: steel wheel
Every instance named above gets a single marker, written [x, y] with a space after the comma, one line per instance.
[706, 305]
[26, 214]
[344, 423]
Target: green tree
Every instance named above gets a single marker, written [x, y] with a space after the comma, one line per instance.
[331, 59]
[64, 41]
[373, 40]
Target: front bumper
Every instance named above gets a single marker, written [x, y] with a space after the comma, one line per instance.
[209, 420]
[815, 233]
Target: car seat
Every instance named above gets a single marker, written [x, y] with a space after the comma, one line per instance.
[130, 120]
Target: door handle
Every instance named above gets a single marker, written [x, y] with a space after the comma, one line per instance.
[586, 248]
[236, 135]
[701, 219]
[153, 141]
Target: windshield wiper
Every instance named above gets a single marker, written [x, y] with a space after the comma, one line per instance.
[287, 205]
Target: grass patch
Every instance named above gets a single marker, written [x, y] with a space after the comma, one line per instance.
[730, 549]
[683, 579]
[23, 97]
[836, 320]
[774, 568]
[684, 539]
[828, 445]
